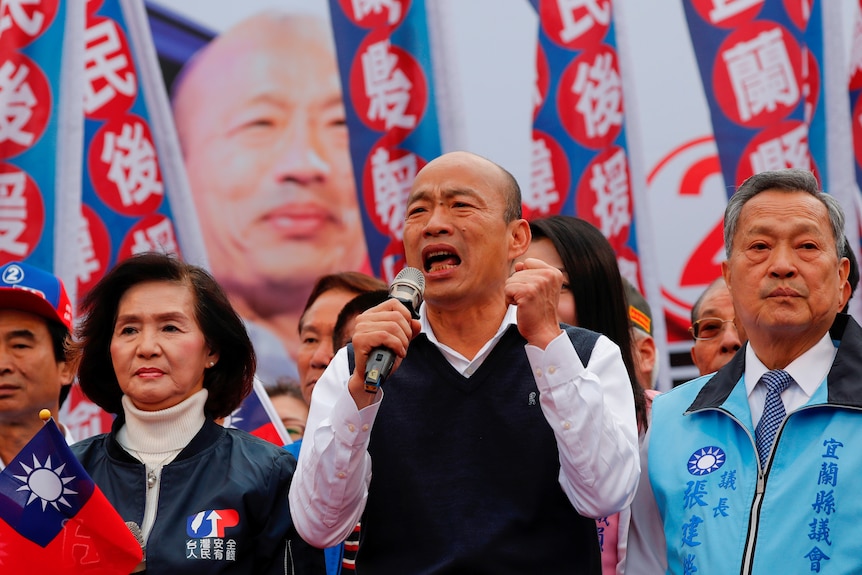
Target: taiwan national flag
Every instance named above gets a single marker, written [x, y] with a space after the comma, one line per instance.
[53, 518]
[257, 415]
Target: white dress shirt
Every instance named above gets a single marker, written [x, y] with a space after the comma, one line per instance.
[808, 372]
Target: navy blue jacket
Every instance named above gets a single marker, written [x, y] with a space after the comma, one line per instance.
[222, 504]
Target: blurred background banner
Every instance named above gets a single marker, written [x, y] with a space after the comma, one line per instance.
[132, 174]
[761, 65]
[579, 158]
[40, 130]
[385, 64]
[201, 133]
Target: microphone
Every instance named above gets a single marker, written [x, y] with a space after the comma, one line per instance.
[407, 287]
[138, 534]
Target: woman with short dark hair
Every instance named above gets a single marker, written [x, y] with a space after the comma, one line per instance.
[161, 347]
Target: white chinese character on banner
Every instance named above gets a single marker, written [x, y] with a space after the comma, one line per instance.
[790, 150]
[806, 87]
[574, 27]
[14, 14]
[13, 213]
[156, 238]
[761, 74]
[610, 182]
[600, 95]
[84, 420]
[543, 192]
[133, 164]
[386, 86]
[537, 95]
[88, 263]
[391, 181]
[16, 104]
[362, 8]
[103, 60]
[724, 9]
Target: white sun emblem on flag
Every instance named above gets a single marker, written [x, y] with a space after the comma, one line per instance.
[706, 460]
[46, 484]
[233, 419]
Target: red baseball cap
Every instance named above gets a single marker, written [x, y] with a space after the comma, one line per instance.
[27, 288]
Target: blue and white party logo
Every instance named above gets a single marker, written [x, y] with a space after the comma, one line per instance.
[706, 460]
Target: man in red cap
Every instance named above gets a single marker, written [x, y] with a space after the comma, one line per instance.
[35, 322]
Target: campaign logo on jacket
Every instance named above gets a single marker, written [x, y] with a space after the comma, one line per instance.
[207, 532]
[706, 460]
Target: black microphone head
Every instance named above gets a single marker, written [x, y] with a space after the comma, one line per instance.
[407, 287]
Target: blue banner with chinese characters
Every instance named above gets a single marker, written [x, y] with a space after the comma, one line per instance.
[579, 158]
[32, 101]
[760, 64]
[385, 65]
[126, 209]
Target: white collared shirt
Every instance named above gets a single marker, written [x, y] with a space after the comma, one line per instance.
[808, 371]
[464, 366]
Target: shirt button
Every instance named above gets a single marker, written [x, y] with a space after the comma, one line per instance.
[567, 425]
[341, 475]
[552, 370]
[351, 427]
[365, 427]
[538, 372]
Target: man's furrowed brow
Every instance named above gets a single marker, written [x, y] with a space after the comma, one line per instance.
[446, 194]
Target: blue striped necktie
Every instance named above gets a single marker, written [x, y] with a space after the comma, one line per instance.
[776, 381]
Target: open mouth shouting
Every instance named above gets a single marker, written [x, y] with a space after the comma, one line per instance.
[439, 258]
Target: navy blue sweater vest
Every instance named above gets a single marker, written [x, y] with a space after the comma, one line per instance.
[465, 472]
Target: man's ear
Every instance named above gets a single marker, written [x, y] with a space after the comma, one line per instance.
[519, 238]
[845, 289]
[725, 272]
[694, 359]
[646, 354]
[67, 371]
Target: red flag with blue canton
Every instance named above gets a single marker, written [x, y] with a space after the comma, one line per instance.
[53, 518]
[258, 416]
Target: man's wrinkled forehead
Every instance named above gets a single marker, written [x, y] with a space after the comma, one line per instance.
[448, 177]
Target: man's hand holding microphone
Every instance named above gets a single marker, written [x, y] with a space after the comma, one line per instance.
[382, 335]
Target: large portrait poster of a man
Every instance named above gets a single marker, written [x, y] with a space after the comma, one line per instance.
[257, 103]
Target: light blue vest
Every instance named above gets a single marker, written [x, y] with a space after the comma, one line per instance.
[722, 515]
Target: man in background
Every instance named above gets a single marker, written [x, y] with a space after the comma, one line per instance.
[717, 336]
[35, 322]
[316, 327]
[261, 124]
[640, 319]
[317, 323]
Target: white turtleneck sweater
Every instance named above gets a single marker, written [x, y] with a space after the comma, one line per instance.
[155, 438]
